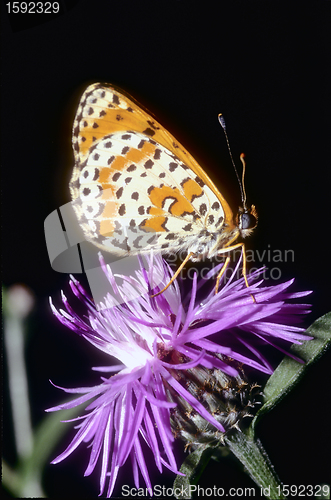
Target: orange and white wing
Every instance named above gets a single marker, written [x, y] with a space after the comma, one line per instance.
[134, 186]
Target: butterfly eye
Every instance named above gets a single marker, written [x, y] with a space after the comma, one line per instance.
[248, 221]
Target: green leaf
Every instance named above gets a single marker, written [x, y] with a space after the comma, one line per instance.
[254, 458]
[289, 371]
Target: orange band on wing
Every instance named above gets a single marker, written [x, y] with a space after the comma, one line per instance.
[106, 227]
[155, 224]
[192, 189]
[180, 206]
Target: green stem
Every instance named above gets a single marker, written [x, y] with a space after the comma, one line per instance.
[18, 384]
[257, 463]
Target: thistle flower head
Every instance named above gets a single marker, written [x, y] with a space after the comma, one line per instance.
[157, 342]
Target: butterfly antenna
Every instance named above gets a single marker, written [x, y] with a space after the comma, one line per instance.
[241, 183]
[243, 192]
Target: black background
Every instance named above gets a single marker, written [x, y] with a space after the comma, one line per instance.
[264, 65]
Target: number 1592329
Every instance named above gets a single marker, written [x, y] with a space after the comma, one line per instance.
[319, 490]
[33, 7]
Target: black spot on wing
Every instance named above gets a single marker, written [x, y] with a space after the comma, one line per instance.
[90, 209]
[199, 181]
[136, 242]
[219, 222]
[149, 164]
[153, 124]
[157, 154]
[149, 131]
[203, 209]
[116, 176]
[151, 240]
[123, 245]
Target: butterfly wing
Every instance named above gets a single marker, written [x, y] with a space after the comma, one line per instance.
[134, 186]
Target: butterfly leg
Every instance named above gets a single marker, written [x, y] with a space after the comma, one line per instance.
[187, 258]
[222, 271]
[227, 261]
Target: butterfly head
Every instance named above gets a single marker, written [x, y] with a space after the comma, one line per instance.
[246, 220]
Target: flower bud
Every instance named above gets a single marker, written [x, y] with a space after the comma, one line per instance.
[228, 399]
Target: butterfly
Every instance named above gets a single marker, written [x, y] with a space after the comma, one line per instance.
[135, 188]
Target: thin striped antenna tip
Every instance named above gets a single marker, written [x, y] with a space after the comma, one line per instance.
[222, 121]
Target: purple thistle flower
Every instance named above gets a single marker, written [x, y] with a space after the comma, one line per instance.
[152, 338]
